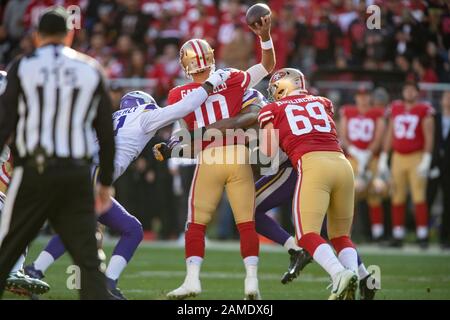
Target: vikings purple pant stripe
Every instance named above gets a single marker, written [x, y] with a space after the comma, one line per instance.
[119, 220]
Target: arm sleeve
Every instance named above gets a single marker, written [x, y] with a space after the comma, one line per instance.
[9, 100]
[256, 74]
[265, 116]
[161, 117]
[104, 129]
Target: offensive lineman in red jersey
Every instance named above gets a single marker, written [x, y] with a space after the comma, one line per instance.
[197, 59]
[410, 136]
[361, 134]
[307, 134]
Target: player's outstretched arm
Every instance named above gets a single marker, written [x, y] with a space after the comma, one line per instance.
[268, 58]
[245, 119]
[162, 117]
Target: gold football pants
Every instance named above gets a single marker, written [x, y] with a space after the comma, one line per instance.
[405, 178]
[325, 184]
[219, 168]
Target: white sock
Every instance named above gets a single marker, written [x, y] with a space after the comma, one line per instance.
[291, 244]
[251, 266]
[43, 261]
[324, 256]
[115, 267]
[19, 264]
[398, 232]
[422, 232]
[348, 257]
[362, 271]
[193, 265]
[377, 230]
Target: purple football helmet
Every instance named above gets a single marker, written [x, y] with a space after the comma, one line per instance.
[136, 98]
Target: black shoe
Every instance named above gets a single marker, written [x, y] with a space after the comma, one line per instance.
[32, 272]
[115, 292]
[298, 261]
[21, 284]
[423, 243]
[396, 243]
[367, 288]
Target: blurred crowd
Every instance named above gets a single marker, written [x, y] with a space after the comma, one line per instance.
[141, 39]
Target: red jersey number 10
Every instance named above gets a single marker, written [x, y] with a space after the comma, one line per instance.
[215, 99]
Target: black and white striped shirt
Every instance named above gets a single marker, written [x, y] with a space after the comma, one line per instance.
[55, 99]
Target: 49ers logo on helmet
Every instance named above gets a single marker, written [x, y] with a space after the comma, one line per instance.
[277, 76]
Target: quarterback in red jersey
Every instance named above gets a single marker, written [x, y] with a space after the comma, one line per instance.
[307, 134]
[361, 132]
[211, 178]
[410, 136]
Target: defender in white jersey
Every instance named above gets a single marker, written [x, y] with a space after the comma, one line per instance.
[135, 124]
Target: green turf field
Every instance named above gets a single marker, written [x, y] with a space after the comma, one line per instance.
[158, 268]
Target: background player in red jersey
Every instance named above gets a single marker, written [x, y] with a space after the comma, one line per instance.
[361, 133]
[307, 134]
[410, 136]
[210, 179]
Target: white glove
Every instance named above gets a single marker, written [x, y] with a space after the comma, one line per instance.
[218, 77]
[361, 156]
[383, 168]
[424, 166]
[364, 159]
[435, 173]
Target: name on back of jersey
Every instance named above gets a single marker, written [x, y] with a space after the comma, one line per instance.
[297, 100]
[119, 113]
[217, 89]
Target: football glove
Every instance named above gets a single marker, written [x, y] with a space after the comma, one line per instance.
[383, 167]
[218, 77]
[424, 166]
[161, 151]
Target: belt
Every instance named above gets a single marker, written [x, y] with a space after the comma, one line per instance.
[55, 162]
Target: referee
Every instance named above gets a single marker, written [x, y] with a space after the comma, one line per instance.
[54, 100]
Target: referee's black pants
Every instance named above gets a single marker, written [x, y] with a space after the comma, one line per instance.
[433, 186]
[63, 194]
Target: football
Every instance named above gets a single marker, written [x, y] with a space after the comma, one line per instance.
[256, 12]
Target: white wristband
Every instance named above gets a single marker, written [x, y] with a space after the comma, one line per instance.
[267, 45]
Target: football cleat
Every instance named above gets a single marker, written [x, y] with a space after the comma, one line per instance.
[423, 243]
[21, 284]
[251, 289]
[365, 290]
[344, 286]
[395, 243]
[189, 289]
[32, 272]
[299, 259]
[115, 292]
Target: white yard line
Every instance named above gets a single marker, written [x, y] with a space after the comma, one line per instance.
[407, 250]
